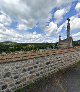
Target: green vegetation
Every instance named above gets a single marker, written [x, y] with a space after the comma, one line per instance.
[9, 47]
[12, 47]
[77, 43]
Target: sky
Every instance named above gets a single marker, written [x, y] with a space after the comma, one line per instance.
[38, 21]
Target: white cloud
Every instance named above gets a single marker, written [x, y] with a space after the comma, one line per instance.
[12, 35]
[75, 23]
[59, 14]
[28, 13]
[8, 34]
[62, 3]
[77, 8]
[32, 11]
[75, 26]
[2, 27]
[22, 27]
[51, 29]
[5, 19]
[34, 37]
[60, 28]
[76, 36]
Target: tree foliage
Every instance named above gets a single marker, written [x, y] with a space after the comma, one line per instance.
[12, 47]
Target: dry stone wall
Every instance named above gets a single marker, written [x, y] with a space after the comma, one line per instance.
[14, 75]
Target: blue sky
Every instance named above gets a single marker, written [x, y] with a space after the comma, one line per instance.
[38, 21]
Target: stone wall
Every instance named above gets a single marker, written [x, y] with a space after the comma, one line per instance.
[14, 75]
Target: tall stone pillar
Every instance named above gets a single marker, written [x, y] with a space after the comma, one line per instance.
[59, 38]
[68, 28]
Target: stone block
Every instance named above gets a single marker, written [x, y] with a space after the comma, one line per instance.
[7, 74]
[4, 87]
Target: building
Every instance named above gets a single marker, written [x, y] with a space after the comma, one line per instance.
[68, 42]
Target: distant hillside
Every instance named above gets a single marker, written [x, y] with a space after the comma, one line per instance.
[9, 46]
[8, 42]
